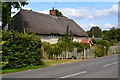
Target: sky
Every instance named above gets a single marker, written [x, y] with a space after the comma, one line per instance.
[85, 14]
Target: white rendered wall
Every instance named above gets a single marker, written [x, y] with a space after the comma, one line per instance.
[54, 39]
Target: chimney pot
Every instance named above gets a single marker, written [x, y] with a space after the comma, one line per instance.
[52, 12]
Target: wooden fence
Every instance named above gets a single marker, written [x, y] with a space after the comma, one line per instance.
[114, 49]
[84, 54]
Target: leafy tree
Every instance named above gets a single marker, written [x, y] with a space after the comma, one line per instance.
[112, 35]
[94, 41]
[95, 31]
[6, 11]
[46, 45]
[58, 13]
[105, 43]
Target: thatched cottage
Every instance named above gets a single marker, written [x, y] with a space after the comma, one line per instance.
[49, 27]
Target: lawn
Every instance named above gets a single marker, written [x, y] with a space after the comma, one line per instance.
[47, 64]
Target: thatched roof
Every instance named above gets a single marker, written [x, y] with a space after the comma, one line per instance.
[34, 22]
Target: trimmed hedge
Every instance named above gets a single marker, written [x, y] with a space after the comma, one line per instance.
[21, 50]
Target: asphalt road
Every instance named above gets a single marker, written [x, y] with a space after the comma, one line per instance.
[105, 67]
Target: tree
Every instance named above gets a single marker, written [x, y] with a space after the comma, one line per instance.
[104, 43]
[112, 35]
[6, 11]
[58, 13]
[95, 31]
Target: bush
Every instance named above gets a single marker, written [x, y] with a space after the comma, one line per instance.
[58, 48]
[99, 51]
[21, 50]
[105, 43]
[46, 45]
[51, 50]
[80, 46]
[94, 41]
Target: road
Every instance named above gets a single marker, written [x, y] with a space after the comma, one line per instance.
[105, 67]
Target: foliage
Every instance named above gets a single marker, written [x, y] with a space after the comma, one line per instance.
[105, 43]
[58, 13]
[65, 44]
[96, 31]
[51, 49]
[68, 37]
[46, 45]
[113, 35]
[55, 50]
[94, 41]
[21, 50]
[99, 51]
[6, 11]
[4, 63]
[58, 48]
[80, 46]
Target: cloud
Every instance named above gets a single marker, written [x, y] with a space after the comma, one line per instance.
[107, 26]
[88, 13]
[17, 10]
[87, 26]
[81, 13]
[113, 11]
[27, 8]
[45, 11]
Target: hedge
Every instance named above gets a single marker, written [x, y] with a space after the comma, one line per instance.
[60, 47]
[99, 51]
[104, 43]
[21, 50]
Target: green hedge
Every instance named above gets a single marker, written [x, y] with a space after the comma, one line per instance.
[104, 43]
[99, 51]
[20, 50]
[60, 47]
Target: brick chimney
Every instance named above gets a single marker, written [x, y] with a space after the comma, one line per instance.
[52, 12]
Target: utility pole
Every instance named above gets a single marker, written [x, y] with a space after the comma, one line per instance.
[55, 4]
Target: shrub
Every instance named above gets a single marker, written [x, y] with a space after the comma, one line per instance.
[94, 41]
[63, 45]
[80, 46]
[105, 43]
[56, 50]
[51, 50]
[21, 50]
[46, 45]
[99, 51]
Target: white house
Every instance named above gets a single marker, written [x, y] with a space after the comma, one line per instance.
[49, 27]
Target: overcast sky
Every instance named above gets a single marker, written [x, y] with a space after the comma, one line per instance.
[85, 14]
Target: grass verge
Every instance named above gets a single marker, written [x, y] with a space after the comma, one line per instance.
[47, 64]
